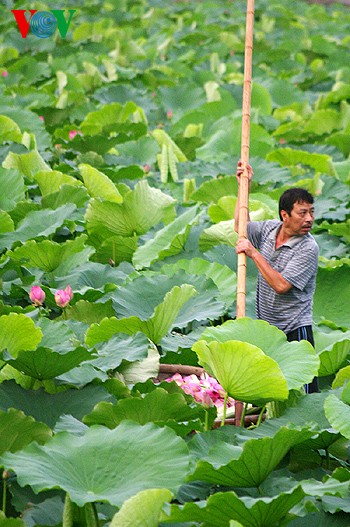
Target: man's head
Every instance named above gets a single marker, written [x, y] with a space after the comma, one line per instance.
[291, 196]
[296, 210]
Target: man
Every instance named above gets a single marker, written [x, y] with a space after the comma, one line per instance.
[286, 256]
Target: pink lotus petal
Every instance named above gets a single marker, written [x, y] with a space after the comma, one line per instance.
[62, 298]
[37, 295]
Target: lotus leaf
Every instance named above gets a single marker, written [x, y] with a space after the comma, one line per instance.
[104, 465]
[243, 370]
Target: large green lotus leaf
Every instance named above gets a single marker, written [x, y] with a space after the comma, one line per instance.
[322, 122]
[48, 255]
[163, 139]
[250, 464]
[47, 512]
[341, 141]
[334, 358]
[89, 312]
[10, 131]
[243, 370]
[222, 276]
[121, 348]
[142, 370]
[211, 191]
[92, 276]
[142, 509]
[297, 360]
[60, 335]
[109, 115]
[167, 242]
[82, 375]
[156, 327]
[332, 294]
[340, 91]
[51, 181]
[12, 188]
[220, 233]
[143, 208]
[338, 414]
[48, 408]
[224, 209]
[6, 222]
[99, 185]
[225, 140]
[261, 99]
[338, 229]
[341, 377]
[18, 332]
[116, 249]
[37, 223]
[10, 522]
[257, 332]
[326, 339]
[141, 297]
[67, 194]
[43, 363]
[224, 507]
[18, 430]
[291, 157]
[158, 406]
[305, 410]
[28, 164]
[104, 465]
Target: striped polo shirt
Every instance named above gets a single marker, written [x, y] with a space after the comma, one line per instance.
[297, 261]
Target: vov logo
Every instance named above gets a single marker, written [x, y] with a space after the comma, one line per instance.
[43, 24]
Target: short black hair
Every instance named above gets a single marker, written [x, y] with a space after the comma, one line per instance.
[291, 196]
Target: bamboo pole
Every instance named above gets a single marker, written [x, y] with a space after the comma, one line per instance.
[244, 182]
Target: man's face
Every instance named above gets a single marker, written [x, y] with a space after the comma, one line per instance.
[300, 220]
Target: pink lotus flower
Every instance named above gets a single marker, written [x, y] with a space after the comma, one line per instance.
[41, 118]
[62, 298]
[5, 73]
[72, 134]
[37, 295]
[69, 290]
[146, 168]
[169, 114]
[204, 389]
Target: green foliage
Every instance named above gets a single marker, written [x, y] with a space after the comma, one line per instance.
[118, 148]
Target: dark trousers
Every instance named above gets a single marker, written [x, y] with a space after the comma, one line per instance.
[305, 333]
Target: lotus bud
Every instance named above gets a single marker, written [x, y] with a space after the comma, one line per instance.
[69, 291]
[62, 298]
[37, 295]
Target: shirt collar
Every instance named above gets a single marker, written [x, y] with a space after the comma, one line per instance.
[292, 242]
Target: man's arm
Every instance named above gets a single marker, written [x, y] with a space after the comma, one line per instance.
[238, 176]
[272, 277]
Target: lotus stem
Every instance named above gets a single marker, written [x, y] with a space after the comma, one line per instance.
[243, 415]
[91, 515]
[261, 415]
[224, 409]
[4, 491]
[67, 520]
[206, 422]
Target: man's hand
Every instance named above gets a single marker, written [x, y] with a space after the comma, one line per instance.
[244, 246]
[240, 170]
[272, 277]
